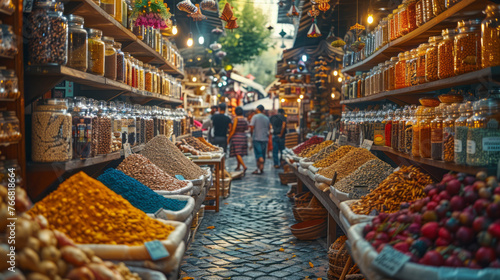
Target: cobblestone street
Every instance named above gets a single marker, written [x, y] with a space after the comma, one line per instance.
[251, 238]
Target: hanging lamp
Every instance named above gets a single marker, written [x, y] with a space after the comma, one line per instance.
[314, 31]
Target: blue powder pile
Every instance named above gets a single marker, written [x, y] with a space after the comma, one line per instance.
[138, 194]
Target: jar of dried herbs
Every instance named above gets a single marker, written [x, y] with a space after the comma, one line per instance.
[415, 148]
[483, 136]
[461, 129]
[425, 132]
[449, 132]
[405, 114]
[437, 131]
[395, 129]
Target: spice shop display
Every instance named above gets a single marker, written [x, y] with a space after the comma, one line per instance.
[77, 44]
[323, 153]
[370, 174]
[313, 140]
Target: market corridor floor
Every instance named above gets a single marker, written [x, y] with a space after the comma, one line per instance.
[251, 238]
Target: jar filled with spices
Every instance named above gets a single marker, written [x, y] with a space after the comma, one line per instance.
[385, 75]
[431, 59]
[51, 131]
[48, 34]
[142, 76]
[391, 75]
[408, 130]
[390, 25]
[395, 129]
[385, 31]
[428, 11]
[93, 110]
[82, 128]
[412, 18]
[397, 34]
[120, 63]
[449, 3]
[361, 85]
[449, 132]
[379, 129]
[97, 52]
[421, 51]
[461, 131]
[109, 7]
[490, 33]
[483, 135]
[445, 54]
[104, 127]
[138, 123]
[116, 126]
[403, 19]
[415, 148]
[77, 44]
[128, 70]
[411, 68]
[425, 132]
[148, 83]
[388, 127]
[401, 71]
[110, 59]
[9, 84]
[437, 131]
[132, 125]
[438, 6]
[419, 14]
[10, 130]
[405, 115]
[468, 47]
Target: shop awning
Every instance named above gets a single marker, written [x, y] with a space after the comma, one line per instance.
[248, 83]
[324, 49]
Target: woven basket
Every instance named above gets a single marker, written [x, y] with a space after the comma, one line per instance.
[355, 277]
[307, 214]
[314, 203]
[309, 230]
[303, 199]
[287, 178]
[296, 214]
[338, 258]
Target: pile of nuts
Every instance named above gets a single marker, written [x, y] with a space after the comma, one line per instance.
[404, 185]
[317, 148]
[333, 157]
[348, 163]
[198, 145]
[368, 175]
[323, 153]
[307, 150]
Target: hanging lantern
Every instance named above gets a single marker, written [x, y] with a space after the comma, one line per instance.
[314, 30]
[221, 54]
[187, 6]
[228, 16]
[293, 12]
[281, 3]
[215, 46]
[283, 46]
[209, 5]
[150, 14]
[338, 43]
[197, 16]
[217, 31]
[323, 6]
[282, 33]
[313, 12]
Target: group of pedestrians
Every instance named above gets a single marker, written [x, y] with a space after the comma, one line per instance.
[225, 131]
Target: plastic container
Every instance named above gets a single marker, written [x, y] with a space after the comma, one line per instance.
[449, 132]
[490, 33]
[445, 54]
[431, 59]
[468, 47]
[110, 60]
[96, 52]
[77, 44]
[461, 131]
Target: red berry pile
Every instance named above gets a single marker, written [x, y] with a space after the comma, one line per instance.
[311, 141]
[456, 225]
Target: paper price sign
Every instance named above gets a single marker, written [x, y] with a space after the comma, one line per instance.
[156, 250]
[367, 144]
[127, 150]
[390, 261]
[342, 140]
[329, 136]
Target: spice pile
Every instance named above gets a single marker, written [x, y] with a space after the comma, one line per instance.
[313, 140]
[140, 168]
[405, 185]
[323, 153]
[318, 147]
[90, 213]
[137, 194]
[348, 163]
[307, 150]
[198, 145]
[164, 154]
[333, 157]
[370, 174]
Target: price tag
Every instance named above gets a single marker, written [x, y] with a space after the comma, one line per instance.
[390, 261]
[156, 250]
[180, 177]
[342, 140]
[127, 150]
[329, 136]
[367, 144]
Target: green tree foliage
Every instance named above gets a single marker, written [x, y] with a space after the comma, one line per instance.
[250, 39]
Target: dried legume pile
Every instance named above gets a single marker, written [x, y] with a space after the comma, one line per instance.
[306, 151]
[323, 153]
[370, 174]
[405, 185]
[90, 213]
[317, 148]
[333, 157]
[138, 194]
[198, 145]
[144, 171]
[348, 163]
[313, 140]
[164, 154]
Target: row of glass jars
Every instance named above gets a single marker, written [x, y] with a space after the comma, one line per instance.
[465, 133]
[64, 129]
[10, 131]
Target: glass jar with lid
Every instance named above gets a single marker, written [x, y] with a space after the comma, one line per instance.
[388, 127]
[403, 19]
[104, 127]
[380, 77]
[408, 130]
[379, 129]
[445, 54]
[10, 131]
[132, 125]
[415, 147]
[135, 73]
[51, 131]
[119, 10]
[490, 33]
[468, 47]
[149, 124]
[9, 84]
[96, 53]
[361, 85]
[384, 24]
[347, 59]
[428, 11]
[412, 17]
[82, 128]
[142, 76]
[419, 13]
[77, 44]
[109, 7]
[395, 12]
[425, 132]
[483, 135]
[116, 126]
[127, 68]
[390, 25]
[421, 51]
[449, 132]
[385, 76]
[401, 71]
[405, 115]
[437, 131]
[93, 110]
[461, 131]
[345, 90]
[148, 82]
[391, 73]
[449, 3]
[48, 34]
[395, 129]
[438, 6]
[411, 68]
[120, 62]
[431, 59]
[110, 61]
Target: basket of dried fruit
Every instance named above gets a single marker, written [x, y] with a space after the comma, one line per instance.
[345, 208]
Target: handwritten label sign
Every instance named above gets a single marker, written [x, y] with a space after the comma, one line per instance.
[179, 177]
[156, 250]
[334, 134]
[342, 140]
[367, 144]
[329, 136]
[127, 150]
[390, 261]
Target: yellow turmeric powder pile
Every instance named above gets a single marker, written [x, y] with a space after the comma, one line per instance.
[90, 213]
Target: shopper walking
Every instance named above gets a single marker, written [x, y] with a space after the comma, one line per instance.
[208, 124]
[259, 127]
[238, 139]
[278, 123]
[221, 125]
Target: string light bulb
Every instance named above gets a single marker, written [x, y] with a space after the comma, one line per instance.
[282, 100]
[301, 96]
[190, 41]
[333, 95]
[369, 19]
[174, 27]
[202, 88]
[335, 73]
[194, 79]
[298, 100]
[340, 79]
[201, 40]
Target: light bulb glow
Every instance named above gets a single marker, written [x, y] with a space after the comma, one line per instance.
[298, 100]
[194, 79]
[333, 95]
[174, 30]
[304, 57]
[202, 88]
[301, 96]
[340, 79]
[335, 73]
[201, 40]
[190, 42]
[282, 100]
[369, 19]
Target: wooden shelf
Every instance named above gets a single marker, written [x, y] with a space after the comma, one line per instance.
[434, 163]
[5, 12]
[484, 75]
[7, 56]
[448, 19]
[44, 78]
[191, 84]
[97, 18]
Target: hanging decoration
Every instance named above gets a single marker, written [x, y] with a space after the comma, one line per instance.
[217, 31]
[215, 46]
[313, 12]
[270, 27]
[187, 6]
[338, 43]
[228, 16]
[323, 5]
[293, 12]
[281, 3]
[282, 34]
[197, 16]
[221, 54]
[357, 27]
[209, 5]
[151, 13]
[314, 31]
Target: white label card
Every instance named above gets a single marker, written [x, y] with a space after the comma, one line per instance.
[156, 250]
[390, 261]
[127, 150]
[367, 144]
[342, 140]
[329, 136]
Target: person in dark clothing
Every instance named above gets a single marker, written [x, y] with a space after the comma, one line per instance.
[278, 123]
[221, 125]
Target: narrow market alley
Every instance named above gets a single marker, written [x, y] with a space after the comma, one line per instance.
[251, 237]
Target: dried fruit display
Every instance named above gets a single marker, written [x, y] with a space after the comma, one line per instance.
[313, 140]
